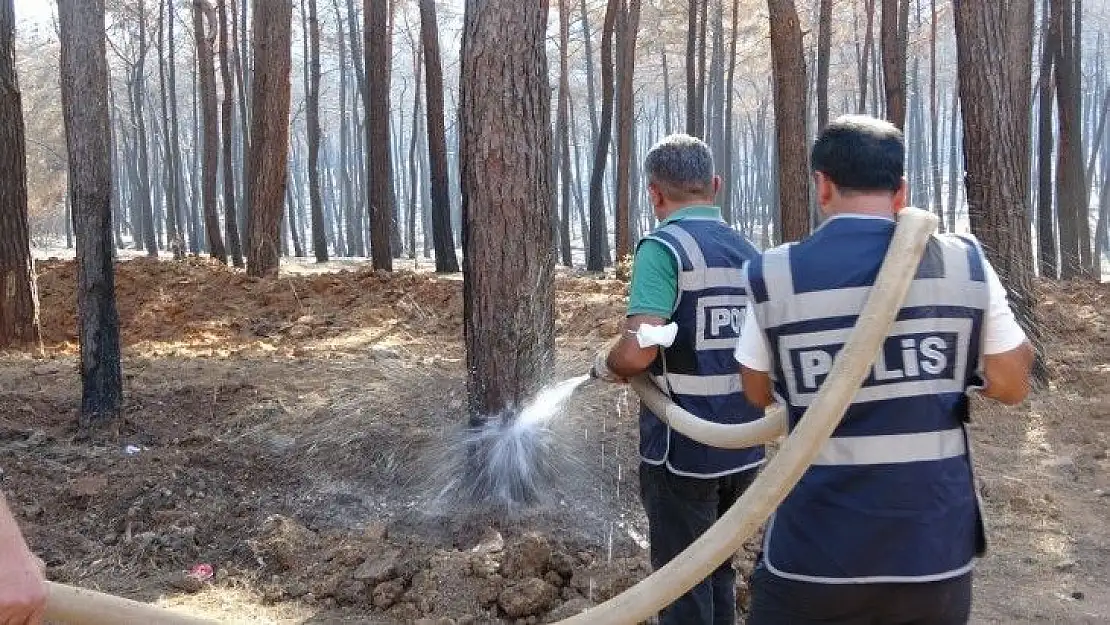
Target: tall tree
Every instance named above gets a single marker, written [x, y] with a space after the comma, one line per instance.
[625, 128]
[442, 236]
[18, 303]
[508, 289]
[995, 99]
[1071, 186]
[136, 94]
[598, 257]
[894, 34]
[319, 240]
[273, 32]
[204, 29]
[693, 106]
[789, 71]
[84, 86]
[824, 44]
[562, 133]
[171, 154]
[379, 158]
[227, 111]
[728, 179]
[934, 118]
[868, 49]
[1046, 217]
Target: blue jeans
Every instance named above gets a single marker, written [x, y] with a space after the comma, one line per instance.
[679, 510]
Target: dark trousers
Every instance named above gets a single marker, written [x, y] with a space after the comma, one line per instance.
[779, 601]
[679, 509]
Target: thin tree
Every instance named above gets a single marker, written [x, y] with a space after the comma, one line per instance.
[1046, 217]
[598, 258]
[508, 289]
[562, 133]
[319, 238]
[789, 72]
[894, 33]
[142, 158]
[273, 31]
[379, 158]
[204, 29]
[227, 111]
[934, 118]
[18, 302]
[1071, 186]
[442, 236]
[866, 53]
[625, 128]
[693, 106]
[728, 179]
[170, 150]
[824, 43]
[84, 86]
[995, 99]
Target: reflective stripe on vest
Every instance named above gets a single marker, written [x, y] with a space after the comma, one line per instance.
[698, 371]
[890, 497]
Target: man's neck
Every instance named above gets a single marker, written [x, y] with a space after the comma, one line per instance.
[674, 208]
[868, 205]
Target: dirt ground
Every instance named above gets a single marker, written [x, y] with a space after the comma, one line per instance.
[298, 436]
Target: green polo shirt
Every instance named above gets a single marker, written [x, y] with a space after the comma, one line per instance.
[654, 288]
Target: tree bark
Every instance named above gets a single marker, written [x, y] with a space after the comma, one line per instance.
[204, 27]
[692, 104]
[789, 70]
[379, 157]
[995, 99]
[269, 150]
[1070, 184]
[508, 297]
[169, 156]
[625, 128]
[319, 240]
[84, 87]
[142, 157]
[598, 258]
[442, 236]
[824, 44]
[227, 110]
[18, 300]
[894, 34]
[934, 119]
[1046, 216]
[868, 51]
[562, 131]
[728, 180]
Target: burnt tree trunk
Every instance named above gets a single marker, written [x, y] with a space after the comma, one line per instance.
[562, 132]
[789, 70]
[894, 33]
[18, 303]
[692, 104]
[1071, 188]
[995, 100]
[227, 111]
[379, 158]
[598, 257]
[625, 128]
[728, 180]
[1046, 216]
[272, 26]
[84, 87]
[824, 44]
[508, 296]
[442, 236]
[204, 27]
[319, 240]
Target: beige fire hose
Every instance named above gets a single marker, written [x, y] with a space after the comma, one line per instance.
[724, 436]
[850, 369]
[69, 605]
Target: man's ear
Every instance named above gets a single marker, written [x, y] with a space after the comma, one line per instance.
[825, 190]
[716, 186]
[900, 197]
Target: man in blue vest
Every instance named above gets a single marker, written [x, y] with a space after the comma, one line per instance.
[886, 524]
[688, 272]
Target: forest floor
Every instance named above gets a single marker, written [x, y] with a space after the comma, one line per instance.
[295, 434]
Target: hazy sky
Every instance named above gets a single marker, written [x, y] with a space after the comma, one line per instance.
[34, 10]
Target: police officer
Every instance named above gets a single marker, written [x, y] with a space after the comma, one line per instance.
[22, 587]
[688, 272]
[885, 525]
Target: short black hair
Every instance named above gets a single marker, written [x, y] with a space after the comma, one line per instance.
[860, 153]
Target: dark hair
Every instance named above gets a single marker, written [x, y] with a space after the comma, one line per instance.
[860, 153]
[681, 166]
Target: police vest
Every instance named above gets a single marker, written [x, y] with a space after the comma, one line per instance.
[891, 496]
[698, 371]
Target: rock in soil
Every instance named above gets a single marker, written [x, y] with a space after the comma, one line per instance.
[527, 556]
[387, 593]
[527, 598]
[377, 569]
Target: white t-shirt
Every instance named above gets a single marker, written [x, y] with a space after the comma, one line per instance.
[1001, 332]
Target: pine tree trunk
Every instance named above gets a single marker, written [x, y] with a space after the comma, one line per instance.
[625, 128]
[563, 134]
[379, 157]
[508, 292]
[1070, 185]
[934, 119]
[442, 236]
[204, 27]
[84, 87]
[18, 301]
[692, 104]
[142, 156]
[414, 143]
[824, 43]
[598, 258]
[319, 240]
[1046, 216]
[240, 57]
[667, 89]
[868, 52]
[169, 162]
[894, 33]
[728, 180]
[591, 91]
[788, 61]
[269, 150]
[227, 111]
[995, 100]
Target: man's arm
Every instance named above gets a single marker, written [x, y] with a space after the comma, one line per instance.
[755, 362]
[627, 359]
[1007, 354]
[22, 587]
